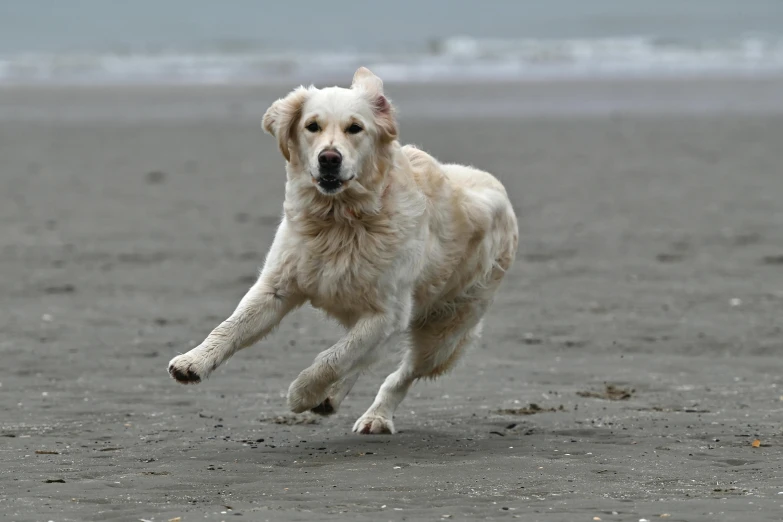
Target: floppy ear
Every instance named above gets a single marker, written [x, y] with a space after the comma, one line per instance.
[372, 86]
[281, 118]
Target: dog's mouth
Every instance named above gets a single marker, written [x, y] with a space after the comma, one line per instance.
[330, 184]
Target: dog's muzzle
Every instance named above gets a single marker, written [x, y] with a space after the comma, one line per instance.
[329, 164]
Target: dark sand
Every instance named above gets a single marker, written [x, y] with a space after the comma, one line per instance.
[651, 259]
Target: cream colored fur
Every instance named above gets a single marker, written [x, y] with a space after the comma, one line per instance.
[407, 246]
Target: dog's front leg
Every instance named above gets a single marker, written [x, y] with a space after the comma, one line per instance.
[258, 313]
[346, 357]
[263, 307]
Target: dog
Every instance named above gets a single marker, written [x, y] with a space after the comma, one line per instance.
[381, 237]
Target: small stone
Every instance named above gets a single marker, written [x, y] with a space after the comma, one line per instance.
[529, 338]
[155, 176]
[66, 288]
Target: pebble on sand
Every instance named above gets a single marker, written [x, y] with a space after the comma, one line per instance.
[155, 177]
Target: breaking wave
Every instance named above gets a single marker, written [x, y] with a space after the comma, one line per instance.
[454, 59]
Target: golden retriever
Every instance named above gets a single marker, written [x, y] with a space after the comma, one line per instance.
[381, 237]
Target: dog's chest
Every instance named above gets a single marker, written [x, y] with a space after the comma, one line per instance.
[341, 266]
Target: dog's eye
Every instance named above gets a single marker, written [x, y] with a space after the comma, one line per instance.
[354, 129]
[313, 127]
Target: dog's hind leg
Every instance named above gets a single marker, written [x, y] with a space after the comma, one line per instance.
[436, 345]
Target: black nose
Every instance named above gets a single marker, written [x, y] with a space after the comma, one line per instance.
[329, 159]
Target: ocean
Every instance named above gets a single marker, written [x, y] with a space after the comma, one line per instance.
[256, 42]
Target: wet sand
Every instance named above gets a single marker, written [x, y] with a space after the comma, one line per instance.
[651, 260]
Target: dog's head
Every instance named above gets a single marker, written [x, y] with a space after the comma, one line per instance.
[334, 136]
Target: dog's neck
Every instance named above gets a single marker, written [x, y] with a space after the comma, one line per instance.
[354, 213]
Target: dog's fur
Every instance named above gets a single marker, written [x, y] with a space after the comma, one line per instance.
[393, 242]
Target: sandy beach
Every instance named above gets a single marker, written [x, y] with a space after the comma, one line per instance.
[643, 319]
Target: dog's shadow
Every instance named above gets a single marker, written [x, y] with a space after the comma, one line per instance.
[417, 446]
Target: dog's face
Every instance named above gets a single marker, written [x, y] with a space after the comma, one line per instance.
[333, 135]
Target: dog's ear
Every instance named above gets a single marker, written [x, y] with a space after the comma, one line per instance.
[372, 86]
[365, 79]
[281, 118]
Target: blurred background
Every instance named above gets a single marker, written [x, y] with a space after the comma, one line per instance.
[201, 41]
[641, 143]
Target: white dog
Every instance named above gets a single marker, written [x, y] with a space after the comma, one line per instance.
[381, 237]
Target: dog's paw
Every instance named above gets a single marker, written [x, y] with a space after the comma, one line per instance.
[186, 369]
[336, 395]
[373, 424]
[305, 394]
[327, 407]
